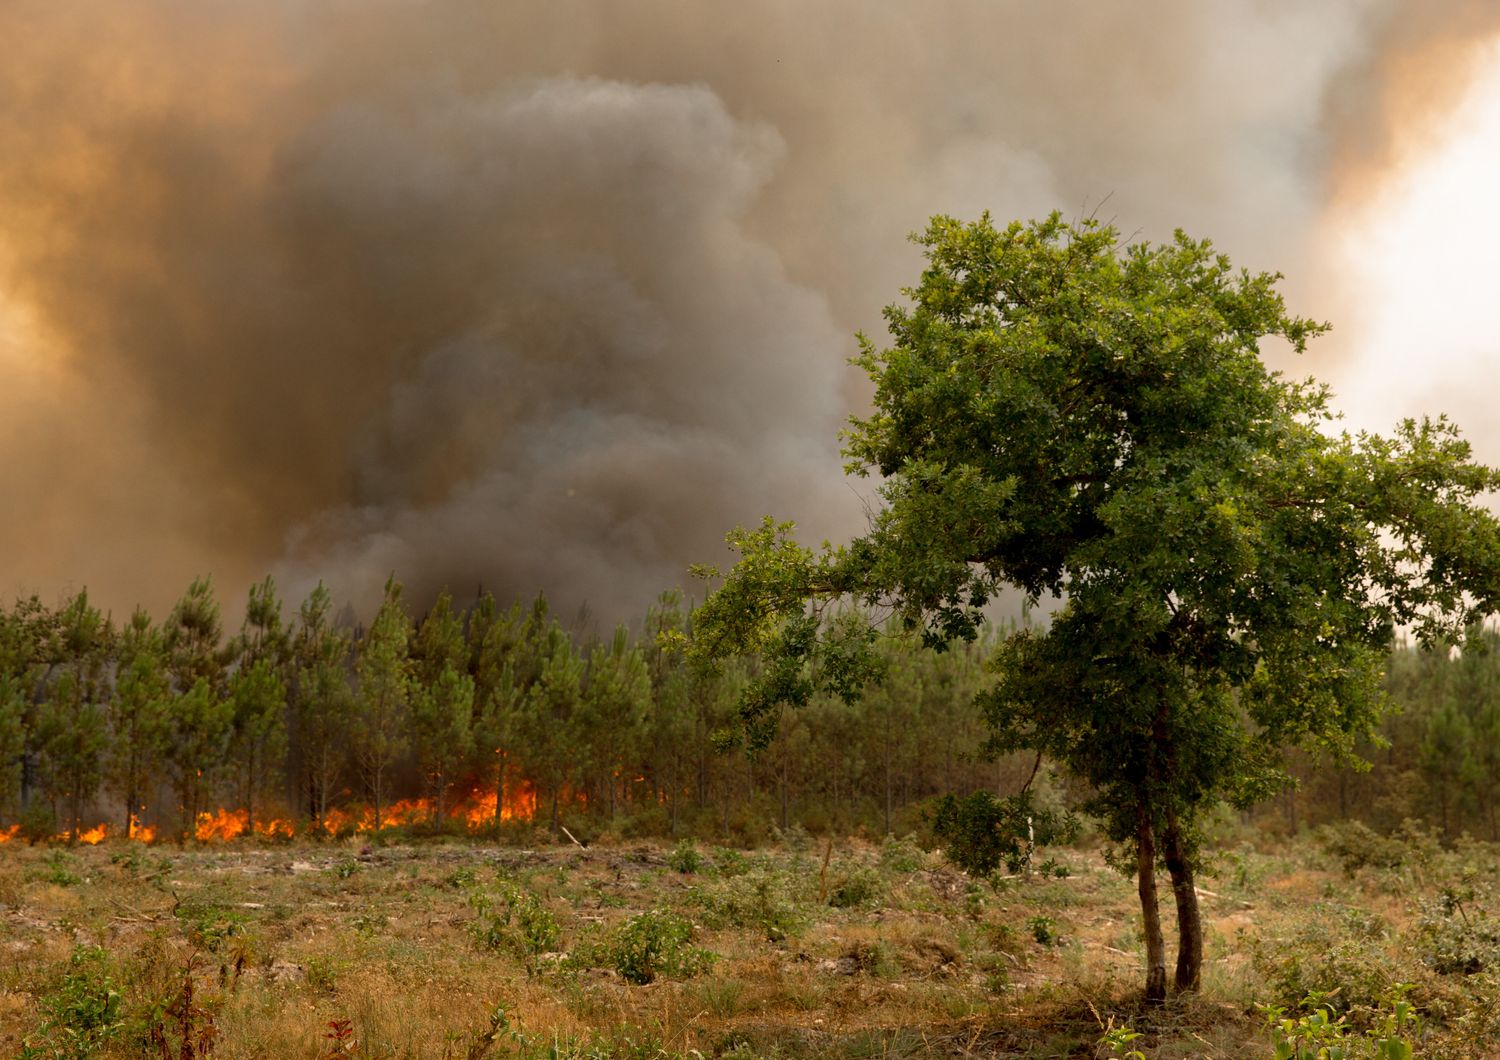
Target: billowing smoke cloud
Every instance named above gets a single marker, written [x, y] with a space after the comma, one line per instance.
[551, 295]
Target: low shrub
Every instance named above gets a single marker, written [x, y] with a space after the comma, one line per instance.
[760, 899]
[656, 943]
[82, 1014]
[514, 919]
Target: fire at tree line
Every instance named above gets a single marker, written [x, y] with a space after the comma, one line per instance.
[162, 731]
[459, 720]
[169, 731]
[1058, 414]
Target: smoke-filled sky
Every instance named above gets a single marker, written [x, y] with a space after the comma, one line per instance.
[550, 295]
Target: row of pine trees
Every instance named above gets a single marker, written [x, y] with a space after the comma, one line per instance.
[300, 715]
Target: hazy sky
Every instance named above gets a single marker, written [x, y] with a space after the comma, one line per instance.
[550, 295]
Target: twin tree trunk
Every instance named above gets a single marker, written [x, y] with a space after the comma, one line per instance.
[1189, 922]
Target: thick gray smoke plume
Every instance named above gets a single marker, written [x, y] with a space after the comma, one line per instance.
[551, 295]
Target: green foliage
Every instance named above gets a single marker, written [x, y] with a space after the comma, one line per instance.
[210, 924]
[1093, 422]
[1458, 933]
[685, 858]
[984, 832]
[38, 822]
[59, 871]
[1120, 1043]
[1355, 846]
[1338, 954]
[902, 855]
[384, 678]
[442, 701]
[199, 723]
[855, 886]
[1043, 929]
[83, 1013]
[759, 898]
[655, 944]
[728, 863]
[514, 919]
[258, 727]
[138, 712]
[1317, 1033]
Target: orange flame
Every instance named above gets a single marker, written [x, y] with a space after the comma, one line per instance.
[221, 824]
[7, 834]
[93, 836]
[476, 811]
[519, 805]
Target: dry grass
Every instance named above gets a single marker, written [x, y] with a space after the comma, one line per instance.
[282, 944]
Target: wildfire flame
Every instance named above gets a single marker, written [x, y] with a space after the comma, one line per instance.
[230, 824]
[476, 811]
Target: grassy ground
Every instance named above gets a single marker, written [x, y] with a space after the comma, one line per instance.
[646, 951]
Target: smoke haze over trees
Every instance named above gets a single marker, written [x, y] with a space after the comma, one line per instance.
[546, 296]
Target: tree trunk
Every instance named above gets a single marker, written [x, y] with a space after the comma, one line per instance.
[1156, 950]
[499, 794]
[250, 795]
[888, 771]
[676, 793]
[1189, 922]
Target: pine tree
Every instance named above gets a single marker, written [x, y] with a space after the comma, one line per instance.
[612, 709]
[384, 670]
[257, 741]
[323, 710]
[137, 715]
[199, 722]
[71, 725]
[442, 702]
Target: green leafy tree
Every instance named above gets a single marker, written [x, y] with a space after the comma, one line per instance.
[137, 715]
[1093, 422]
[384, 669]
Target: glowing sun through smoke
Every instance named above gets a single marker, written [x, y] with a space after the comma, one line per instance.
[1420, 258]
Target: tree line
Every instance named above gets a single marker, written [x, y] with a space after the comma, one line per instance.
[1435, 758]
[458, 717]
[310, 721]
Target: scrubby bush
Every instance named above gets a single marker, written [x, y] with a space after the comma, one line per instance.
[1353, 845]
[760, 899]
[82, 1014]
[1458, 935]
[685, 858]
[656, 943]
[856, 887]
[514, 919]
[902, 855]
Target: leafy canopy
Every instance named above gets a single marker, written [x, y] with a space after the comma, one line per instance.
[1080, 419]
